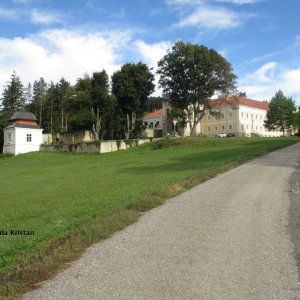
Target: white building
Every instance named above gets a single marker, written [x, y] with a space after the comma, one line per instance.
[23, 134]
[238, 115]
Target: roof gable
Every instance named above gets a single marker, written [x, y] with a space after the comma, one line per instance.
[156, 114]
[232, 100]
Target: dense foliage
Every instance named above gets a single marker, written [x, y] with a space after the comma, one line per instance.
[282, 113]
[189, 76]
[88, 105]
[132, 85]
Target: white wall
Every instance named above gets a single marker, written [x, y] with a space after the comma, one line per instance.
[252, 121]
[19, 142]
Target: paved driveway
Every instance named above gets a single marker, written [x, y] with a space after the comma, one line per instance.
[228, 238]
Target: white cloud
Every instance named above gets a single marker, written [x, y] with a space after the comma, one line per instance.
[212, 18]
[269, 78]
[56, 53]
[151, 54]
[45, 18]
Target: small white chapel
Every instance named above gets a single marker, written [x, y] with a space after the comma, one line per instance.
[23, 134]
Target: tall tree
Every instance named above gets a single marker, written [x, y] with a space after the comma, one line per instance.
[65, 93]
[40, 88]
[100, 99]
[28, 94]
[189, 76]
[13, 97]
[80, 108]
[131, 86]
[281, 113]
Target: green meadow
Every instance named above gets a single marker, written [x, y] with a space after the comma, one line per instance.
[71, 201]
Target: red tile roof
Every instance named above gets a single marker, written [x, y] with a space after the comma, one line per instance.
[241, 101]
[154, 114]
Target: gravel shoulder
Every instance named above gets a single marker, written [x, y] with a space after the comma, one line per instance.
[235, 236]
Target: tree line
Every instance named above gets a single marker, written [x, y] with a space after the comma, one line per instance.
[190, 75]
[111, 112]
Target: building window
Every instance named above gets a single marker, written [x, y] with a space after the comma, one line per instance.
[223, 127]
[208, 128]
[247, 115]
[208, 117]
[230, 127]
[242, 126]
[222, 116]
[29, 137]
[242, 114]
[216, 128]
[230, 115]
[247, 126]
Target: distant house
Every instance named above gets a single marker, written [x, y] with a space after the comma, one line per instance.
[154, 122]
[237, 115]
[23, 134]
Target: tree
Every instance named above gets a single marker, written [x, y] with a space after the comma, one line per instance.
[100, 99]
[40, 89]
[28, 94]
[13, 97]
[153, 103]
[132, 85]
[80, 108]
[189, 76]
[281, 113]
[297, 123]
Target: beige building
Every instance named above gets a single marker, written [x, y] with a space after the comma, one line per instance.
[237, 115]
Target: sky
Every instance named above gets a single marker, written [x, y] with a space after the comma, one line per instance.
[54, 39]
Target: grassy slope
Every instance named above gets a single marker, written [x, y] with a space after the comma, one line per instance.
[58, 193]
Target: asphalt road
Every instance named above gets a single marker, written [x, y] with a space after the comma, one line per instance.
[233, 237]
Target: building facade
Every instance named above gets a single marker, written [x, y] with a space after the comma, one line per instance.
[23, 134]
[237, 115]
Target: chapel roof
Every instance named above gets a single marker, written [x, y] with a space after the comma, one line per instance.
[23, 115]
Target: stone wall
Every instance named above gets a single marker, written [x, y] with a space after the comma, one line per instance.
[95, 147]
[69, 138]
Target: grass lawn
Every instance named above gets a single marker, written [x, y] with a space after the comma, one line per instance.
[73, 200]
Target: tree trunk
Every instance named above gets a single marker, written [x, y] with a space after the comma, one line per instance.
[97, 125]
[40, 115]
[130, 124]
[51, 118]
[127, 128]
[195, 120]
[62, 118]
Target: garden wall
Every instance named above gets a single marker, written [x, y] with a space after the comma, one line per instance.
[95, 147]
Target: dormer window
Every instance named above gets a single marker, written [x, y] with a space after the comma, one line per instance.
[29, 137]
